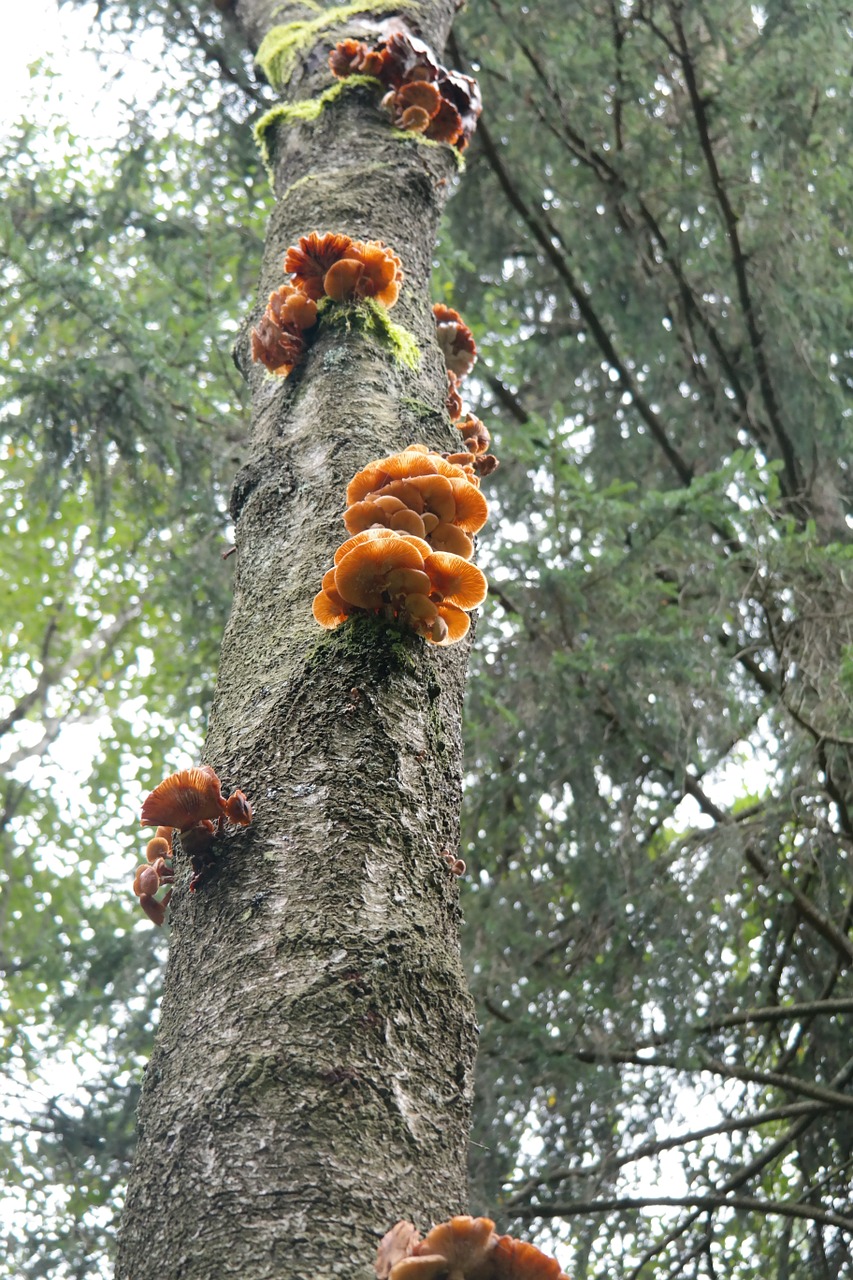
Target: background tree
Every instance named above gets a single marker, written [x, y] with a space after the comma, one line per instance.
[657, 938]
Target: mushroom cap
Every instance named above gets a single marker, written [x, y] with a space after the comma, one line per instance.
[464, 1242]
[347, 58]
[368, 535]
[407, 583]
[456, 581]
[157, 847]
[361, 575]
[419, 93]
[277, 349]
[455, 624]
[415, 120]
[312, 257]
[437, 494]
[330, 611]
[474, 431]
[155, 911]
[342, 278]
[446, 125]
[400, 466]
[383, 271]
[146, 880]
[407, 522]
[432, 1266]
[164, 833]
[290, 306]
[472, 510]
[183, 799]
[238, 810]
[406, 493]
[395, 1245]
[449, 537]
[517, 1260]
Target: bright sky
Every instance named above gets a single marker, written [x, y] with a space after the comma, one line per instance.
[82, 92]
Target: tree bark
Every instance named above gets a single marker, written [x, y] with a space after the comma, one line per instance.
[311, 1079]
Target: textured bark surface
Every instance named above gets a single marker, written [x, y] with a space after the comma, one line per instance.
[310, 1082]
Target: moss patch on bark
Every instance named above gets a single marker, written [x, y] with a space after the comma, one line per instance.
[372, 318]
[306, 109]
[282, 45]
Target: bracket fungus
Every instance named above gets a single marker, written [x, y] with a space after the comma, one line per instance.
[192, 803]
[463, 1248]
[422, 96]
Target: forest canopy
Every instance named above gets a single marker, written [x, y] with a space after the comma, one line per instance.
[650, 242]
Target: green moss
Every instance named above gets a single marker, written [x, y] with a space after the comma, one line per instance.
[303, 110]
[380, 645]
[420, 409]
[408, 135]
[282, 45]
[372, 318]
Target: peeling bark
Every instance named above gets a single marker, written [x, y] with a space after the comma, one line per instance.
[311, 1079]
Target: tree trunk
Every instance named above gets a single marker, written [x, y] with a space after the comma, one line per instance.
[310, 1083]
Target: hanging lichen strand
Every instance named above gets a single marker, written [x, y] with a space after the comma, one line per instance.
[423, 96]
[463, 1248]
[190, 802]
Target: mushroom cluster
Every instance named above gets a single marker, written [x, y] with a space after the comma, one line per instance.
[460, 352]
[192, 803]
[423, 96]
[463, 1248]
[411, 516]
[321, 266]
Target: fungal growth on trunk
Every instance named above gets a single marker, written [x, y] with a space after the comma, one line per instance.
[189, 802]
[411, 516]
[423, 96]
[330, 266]
[462, 1248]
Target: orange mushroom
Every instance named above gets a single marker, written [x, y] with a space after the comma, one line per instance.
[449, 537]
[341, 280]
[370, 534]
[452, 624]
[278, 349]
[238, 811]
[465, 1244]
[432, 1267]
[310, 260]
[360, 577]
[154, 909]
[454, 400]
[446, 125]
[455, 339]
[472, 510]
[400, 466]
[158, 848]
[198, 838]
[395, 1245]
[383, 271]
[474, 434]
[328, 612]
[183, 799]
[290, 306]
[455, 581]
[516, 1260]
[146, 880]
